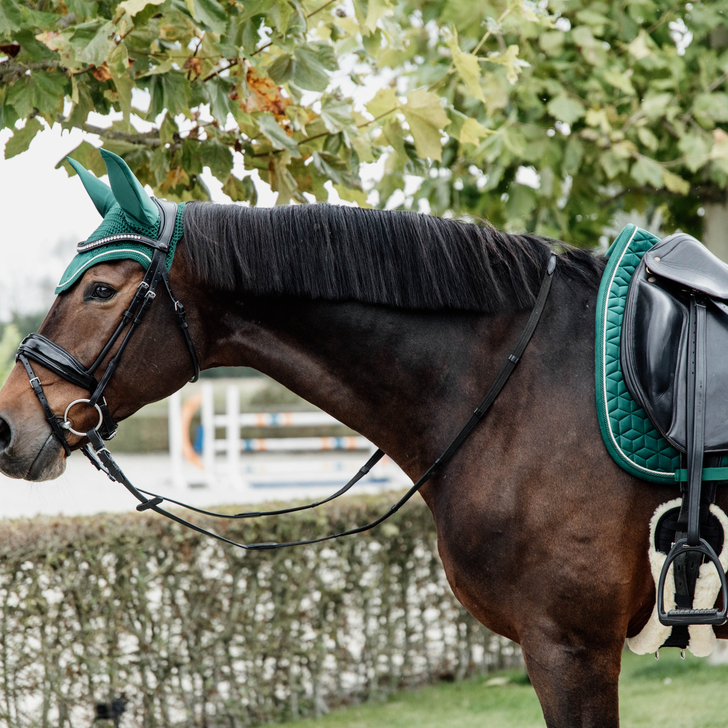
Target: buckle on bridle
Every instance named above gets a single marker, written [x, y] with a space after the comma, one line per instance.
[67, 425]
[34, 379]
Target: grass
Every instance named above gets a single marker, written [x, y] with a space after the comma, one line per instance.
[669, 692]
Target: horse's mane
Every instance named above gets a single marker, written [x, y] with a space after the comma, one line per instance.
[402, 259]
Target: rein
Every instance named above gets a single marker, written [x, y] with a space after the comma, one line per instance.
[51, 356]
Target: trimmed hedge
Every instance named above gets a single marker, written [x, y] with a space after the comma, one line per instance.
[195, 633]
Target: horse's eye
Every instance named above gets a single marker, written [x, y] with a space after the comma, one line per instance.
[102, 292]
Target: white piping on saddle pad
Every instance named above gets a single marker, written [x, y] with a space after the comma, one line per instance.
[702, 637]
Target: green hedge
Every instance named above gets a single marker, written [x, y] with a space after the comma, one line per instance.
[196, 633]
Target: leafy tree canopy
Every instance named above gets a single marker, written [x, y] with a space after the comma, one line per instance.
[610, 104]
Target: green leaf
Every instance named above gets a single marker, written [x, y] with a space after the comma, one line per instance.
[376, 9]
[711, 108]
[363, 147]
[552, 42]
[330, 166]
[426, 117]
[467, 66]
[211, 14]
[383, 102]
[163, 67]
[695, 149]
[674, 183]
[119, 68]
[647, 171]
[281, 70]
[641, 47]
[309, 71]
[241, 190]
[170, 91]
[21, 139]
[510, 61]
[572, 156]
[48, 92]
[349, 195]
[218, 90]
[280, 15]
[283, 182]
[654, 105]
[132, 7]
[217, 157]
[613, 164]
[472, 132]
[20, 97]
[336, 114]
[521, 203]
[566, 109]
[276, 135]
[647, 138]
[10, 17]
[96, 52]
[620, 80]
[192, 157]
[255, 7]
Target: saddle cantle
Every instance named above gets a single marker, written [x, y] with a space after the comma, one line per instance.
[655, 337]
[674, 355]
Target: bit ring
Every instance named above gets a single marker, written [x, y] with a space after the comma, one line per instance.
[66, 424]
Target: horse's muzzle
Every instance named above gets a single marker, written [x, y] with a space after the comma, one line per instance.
[37, 456]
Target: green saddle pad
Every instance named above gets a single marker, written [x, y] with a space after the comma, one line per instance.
[630, 437]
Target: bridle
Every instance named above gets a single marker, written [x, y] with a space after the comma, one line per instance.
[51, 356]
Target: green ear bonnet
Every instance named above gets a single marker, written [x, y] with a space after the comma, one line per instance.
[128, 211]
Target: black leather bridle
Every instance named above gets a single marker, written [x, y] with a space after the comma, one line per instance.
[50, 355]
[58, 360]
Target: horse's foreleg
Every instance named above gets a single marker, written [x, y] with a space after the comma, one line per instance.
[577, 685]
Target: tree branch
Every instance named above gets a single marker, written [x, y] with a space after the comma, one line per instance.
[706, 193]
[148, 139]
[11, 68]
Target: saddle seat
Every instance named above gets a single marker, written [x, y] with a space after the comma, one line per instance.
[683, 259]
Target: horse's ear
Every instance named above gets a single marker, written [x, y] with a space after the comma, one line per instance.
[128, 191]
[100, 193]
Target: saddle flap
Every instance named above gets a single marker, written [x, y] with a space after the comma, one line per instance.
[654, 341]
[684, 260]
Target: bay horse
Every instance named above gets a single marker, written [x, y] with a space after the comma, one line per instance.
[396, 324]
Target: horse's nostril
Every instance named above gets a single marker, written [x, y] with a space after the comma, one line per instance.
[6, 435]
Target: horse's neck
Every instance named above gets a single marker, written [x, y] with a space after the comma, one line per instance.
[403, 379]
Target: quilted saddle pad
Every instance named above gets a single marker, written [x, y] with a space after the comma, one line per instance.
[628, 434]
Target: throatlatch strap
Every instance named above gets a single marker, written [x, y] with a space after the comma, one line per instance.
[153, 502]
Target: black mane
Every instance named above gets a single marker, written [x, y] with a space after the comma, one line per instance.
[402, 259]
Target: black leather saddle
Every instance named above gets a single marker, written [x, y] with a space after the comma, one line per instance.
[674, 352]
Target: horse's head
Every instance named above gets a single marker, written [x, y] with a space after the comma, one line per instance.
[85, 350]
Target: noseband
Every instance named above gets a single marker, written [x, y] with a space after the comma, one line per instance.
[50, 355]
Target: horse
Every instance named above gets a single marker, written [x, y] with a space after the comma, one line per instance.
[396, 323]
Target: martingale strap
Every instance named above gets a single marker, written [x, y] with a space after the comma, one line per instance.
[102, 459]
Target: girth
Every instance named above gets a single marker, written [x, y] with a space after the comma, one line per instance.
[55, 358]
